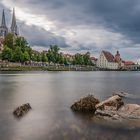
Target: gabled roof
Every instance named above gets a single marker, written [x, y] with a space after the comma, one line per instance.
[129, 63]
[108, 56]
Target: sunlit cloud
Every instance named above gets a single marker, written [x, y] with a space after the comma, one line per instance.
[31, 19]
[88, 29]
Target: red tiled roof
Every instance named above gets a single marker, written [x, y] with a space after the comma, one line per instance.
[109, 56]
[129, 63]
[93, 58]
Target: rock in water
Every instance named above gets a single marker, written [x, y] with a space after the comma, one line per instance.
[86, 104]
[130, 111]
[110, 109]
[114, 101]
[121, 94]
[21, 110]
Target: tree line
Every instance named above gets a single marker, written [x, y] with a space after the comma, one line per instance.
[17, 49]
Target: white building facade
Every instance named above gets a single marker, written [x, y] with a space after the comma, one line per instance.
[107, 61]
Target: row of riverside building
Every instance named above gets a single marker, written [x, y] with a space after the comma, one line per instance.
[105, 61]
[108, 61]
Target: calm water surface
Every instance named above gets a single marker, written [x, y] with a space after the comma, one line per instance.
[51, 95]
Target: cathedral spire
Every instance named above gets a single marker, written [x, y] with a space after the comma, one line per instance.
[3, 27]
[14, 28]
[3, 23]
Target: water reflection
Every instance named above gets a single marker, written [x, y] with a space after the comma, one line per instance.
[51, 94]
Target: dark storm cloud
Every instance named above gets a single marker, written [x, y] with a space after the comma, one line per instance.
[121, 16]
[36, 36]
[39, 37]
[117, 16]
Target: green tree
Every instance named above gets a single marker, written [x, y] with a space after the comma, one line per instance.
[21, 42]
[78, 59]
[33, 57]
[0, 56]
[20, 48]
[65, 61]
[61, 59]
[29, 50]
[53, 54]
[9, 41]
[26, 56]
[18, 55]
[39, 57]
[44, 57]
[86, 58]
[7, 54]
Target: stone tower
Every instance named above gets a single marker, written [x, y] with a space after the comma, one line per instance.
[3, 27]
[14, 28]
[118, 57]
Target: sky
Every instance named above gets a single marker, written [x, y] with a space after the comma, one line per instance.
[78, 26]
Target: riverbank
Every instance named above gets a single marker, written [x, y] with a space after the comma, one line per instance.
[47, 68]
[56, 68]
[8, 66]
[21, 68]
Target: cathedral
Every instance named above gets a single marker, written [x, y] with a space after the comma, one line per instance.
[4, 29]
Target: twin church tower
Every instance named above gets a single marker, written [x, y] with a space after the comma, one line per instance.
[4, 29]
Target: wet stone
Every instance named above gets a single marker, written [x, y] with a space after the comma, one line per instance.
[112, 108]
[86, 104]
[21, 110]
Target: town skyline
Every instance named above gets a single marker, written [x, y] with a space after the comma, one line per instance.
[87, 34]
[13, 29]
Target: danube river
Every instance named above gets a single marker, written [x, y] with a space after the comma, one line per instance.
[51, 94]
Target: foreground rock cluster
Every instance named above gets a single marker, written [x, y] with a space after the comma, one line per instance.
[112, 108]
[85, 104]
[21, 110]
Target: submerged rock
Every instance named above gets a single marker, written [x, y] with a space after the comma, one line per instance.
[85, 104]
[21, 110]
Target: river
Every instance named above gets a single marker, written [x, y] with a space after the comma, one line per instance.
[51, 94]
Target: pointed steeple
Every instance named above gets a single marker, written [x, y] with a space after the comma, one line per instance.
[3, 27]
[14, 28]
[3, 22]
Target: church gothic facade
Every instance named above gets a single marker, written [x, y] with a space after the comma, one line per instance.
[4, 29]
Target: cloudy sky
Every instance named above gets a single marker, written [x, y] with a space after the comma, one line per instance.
[79, 25]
